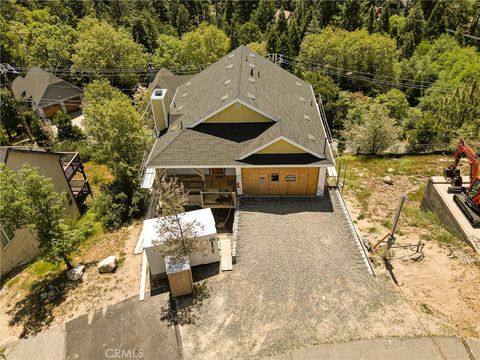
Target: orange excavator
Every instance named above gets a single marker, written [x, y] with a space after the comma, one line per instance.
[467, 198]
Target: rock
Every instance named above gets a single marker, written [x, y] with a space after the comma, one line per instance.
[43, 295]
[417, 256]
[388, 180]
[51, 294]
[390, 170]
[76, 273]
[107, 265]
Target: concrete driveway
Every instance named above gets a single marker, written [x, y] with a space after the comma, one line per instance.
[299, 280]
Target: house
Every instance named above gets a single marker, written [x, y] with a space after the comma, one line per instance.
[48, 93]
[165, 79]
[243, 126]
[18, 246]
[288, 15]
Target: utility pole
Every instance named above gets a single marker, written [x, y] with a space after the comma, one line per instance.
[4, 73]
[391, 237]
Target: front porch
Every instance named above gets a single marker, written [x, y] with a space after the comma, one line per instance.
[207, 188]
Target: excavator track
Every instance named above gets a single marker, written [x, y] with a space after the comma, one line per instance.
[464, 204]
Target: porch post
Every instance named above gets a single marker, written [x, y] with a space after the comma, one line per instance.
[238, 175]
[322, 171]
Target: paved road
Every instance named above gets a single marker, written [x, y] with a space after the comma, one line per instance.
[424, 348]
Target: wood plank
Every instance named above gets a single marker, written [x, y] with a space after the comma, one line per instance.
[225, 246]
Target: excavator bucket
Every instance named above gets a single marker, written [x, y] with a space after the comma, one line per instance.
[451, 174]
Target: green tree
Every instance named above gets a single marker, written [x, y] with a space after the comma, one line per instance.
[370, 130]
[371, 19]
[357, 51]
[396, 103]
[414, 29]
[100, 46]
[10, 117]
[351, 13]
[259, 48]
[32, 202]
[248, 33]
[66, 130]
[264, 14]
[385, 19]
[170, 52]
[205, 45]
[437, 21]
[183, 20]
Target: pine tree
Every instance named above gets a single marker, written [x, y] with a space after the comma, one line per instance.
[264, 14]
[271, 36]
[370, 21]
[415, 23]
[351, 15]
[229, 12]
[183, 20]
[437, 22]
[385, 19]
[282, 25]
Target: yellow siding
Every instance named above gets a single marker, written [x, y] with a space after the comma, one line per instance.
[235, 114]
[159, 114]
[21, 249]
[281, 147]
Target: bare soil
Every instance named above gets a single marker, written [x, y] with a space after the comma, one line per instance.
[24, 312]
[444, 287]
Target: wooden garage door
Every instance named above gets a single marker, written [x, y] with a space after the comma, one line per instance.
[280, 181]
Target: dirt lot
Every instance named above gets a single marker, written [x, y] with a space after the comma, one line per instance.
[443, 288]
[300, 280]
[24, 312]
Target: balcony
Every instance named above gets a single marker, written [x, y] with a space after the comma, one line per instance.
[218, 199]
[73, 168]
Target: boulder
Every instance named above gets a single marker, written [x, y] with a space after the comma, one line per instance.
[107, 265]
[76, 272]
[388, 180]
[390, 170]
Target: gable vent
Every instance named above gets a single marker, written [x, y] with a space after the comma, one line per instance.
[298, 84]
[227, 82]
[251, 96]
[306, 117]
[224, 97]
[251, 79]
[230, 66]
[301, 99]
[311, 137]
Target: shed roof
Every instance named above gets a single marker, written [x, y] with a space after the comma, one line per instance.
[43, 87]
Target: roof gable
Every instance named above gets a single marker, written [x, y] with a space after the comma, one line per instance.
[235, 111]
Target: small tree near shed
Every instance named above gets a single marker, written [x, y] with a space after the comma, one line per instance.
[178, 236]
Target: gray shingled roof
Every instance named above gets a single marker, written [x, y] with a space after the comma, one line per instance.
[282, 96]
[165, 79]
[43, 87]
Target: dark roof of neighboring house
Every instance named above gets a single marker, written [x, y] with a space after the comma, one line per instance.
[256, 82]
[165, 79]
[43, 87]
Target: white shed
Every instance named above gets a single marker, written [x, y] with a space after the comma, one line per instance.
[207, 236]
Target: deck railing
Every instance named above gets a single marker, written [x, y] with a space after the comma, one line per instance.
[71, 162]
[81, 189]
[218, 199]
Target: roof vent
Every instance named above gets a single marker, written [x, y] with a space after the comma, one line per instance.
[158, 92]
[180, 107]
[227, 82]
[188, 84]
[298, 84]
[306, 117]
[251, 79]
[230, 66]
[231, 55]
[224, 97]
[251, 65]
[252, 55]
[302, 99]
[251, 96]
[311, 137]
[184, 95]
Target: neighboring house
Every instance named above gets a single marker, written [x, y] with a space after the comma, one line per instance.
[18, 246]
[243, 126]
[288, 15]
[165, 79]
[48, 93]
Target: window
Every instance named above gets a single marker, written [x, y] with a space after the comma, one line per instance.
[274, 177]
[290, 178]
[6, 237]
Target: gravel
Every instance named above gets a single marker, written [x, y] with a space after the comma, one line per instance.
[299, 280]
